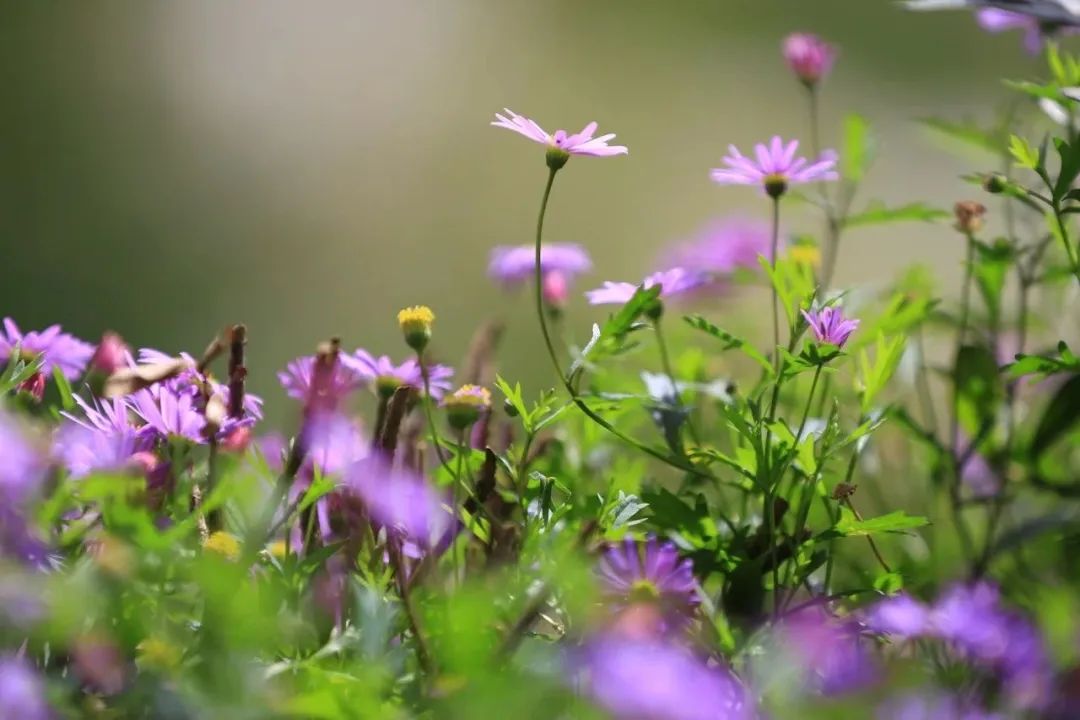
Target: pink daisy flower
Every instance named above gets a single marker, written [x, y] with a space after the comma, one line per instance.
[582, 143]
[774, 167]
[673, 282]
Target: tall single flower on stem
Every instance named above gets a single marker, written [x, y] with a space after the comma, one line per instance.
[774, 167]
[561, 145]
[830, 326]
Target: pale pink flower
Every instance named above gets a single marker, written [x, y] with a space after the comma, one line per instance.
[582, 143]
[774, 167]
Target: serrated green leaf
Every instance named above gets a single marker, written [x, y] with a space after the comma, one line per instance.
[1022, 152]
[730, 342]
[878, 214]
[894, 522]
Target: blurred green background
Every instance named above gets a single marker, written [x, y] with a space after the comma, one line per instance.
[309, 168]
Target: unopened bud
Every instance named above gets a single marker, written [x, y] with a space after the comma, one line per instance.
[969, 216]
[111, 354]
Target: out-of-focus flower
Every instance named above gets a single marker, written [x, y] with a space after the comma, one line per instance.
[334, 442]
[465, 405]
[831, 655]
[22, 691]
[636, 679]
[224, 545]
[416, 322]
[54, 347]
[159, 654]
[805, 254]
[674, 282]
[104, 438]
[977, 474]
[900, 615]
[190, 381]
[775, 167]
[22, 466]
[561, 145]
[386, 377]
[169, 413]
[830, 326]
[99, 664]
[559, 264]
[932, 706]
[650, 572]
[809, 57]
[969, 216]
[722, 247]
[110, 355]
[298, 375]
[996, 20]
[400, 499]
[1059, 113]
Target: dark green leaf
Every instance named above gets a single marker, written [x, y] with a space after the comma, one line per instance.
[978, 386]
[1060, 416]
[730, 342]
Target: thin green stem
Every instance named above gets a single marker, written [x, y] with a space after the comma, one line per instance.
[433, 431]
[769, 499]
[542, 316]
[665, 363]
[1064, 233]
[962, 530]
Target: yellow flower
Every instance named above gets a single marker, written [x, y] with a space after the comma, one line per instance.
[224, 544]
[806, 255]
[277, 549]
[157, 653]
[416, 324]
[464, 405]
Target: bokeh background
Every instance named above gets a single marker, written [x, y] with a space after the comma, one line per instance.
[309, 168]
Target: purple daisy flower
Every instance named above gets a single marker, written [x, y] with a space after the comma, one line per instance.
[400, 499]
[169, 412]
[387, 377]
[830, 326]
[674, 282]
[776, 167]
[650, 572]
[297, 378]
[54, 347]
[833, 657]
[104, 439]
[809, 57]
[190, 381]
[22, 691]
[658, 681]
[582, 143]
[517, 264]
[722, 247]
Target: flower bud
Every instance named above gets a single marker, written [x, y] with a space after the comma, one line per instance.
[556, 157]
[995, 183]
[969, 216]
[464, 406]
[809, 57]
[111, 355]
[33, 387]
[416, 324]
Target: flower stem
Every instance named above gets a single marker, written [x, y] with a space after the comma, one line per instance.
[1063, 231]
[962, 530]
[665, 363]
[542, 316]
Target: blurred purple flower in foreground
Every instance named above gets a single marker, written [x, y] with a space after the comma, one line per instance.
[830, 652]
[775, 167]
[809, 57]
[559, 264]
[722, 247]
[673, 282]
[22, 467]
[646, 680]
[55, 348]
[996, 20]
[651, 572]
[830, 326]
[582, 143]
[932, 707]
[298, 375]
[400, 499]
[387, 377]
[22, 692]
[104, 438]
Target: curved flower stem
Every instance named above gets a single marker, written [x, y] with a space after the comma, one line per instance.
[775, 249]
[769, 499]
[456, 504]
[1063, 231]
[665, 363]
[433, 431]
[538, 279]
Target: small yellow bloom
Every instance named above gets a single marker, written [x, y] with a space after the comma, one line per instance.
[464, 405]
[806, 255]
[157, 653]
[277, 549]
[224, 544]
[416, 324]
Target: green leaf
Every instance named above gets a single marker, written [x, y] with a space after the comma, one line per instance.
[1069, 168]
[992, 264]
[978, 387]
[889, 583]
[1023, 153]
[1060, 415]
[894, 522]
[1044, 366]
[623, 321]
[875, 375]
[513, 396]
[967, 133]
[67, 400]
[730, 342]
[858, 151]
[876, 213]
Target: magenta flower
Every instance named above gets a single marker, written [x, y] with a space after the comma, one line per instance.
[809, 57]
[297, 378]
[830, 326]
[634, 679]
[55, 348]
[900, 615]
[22, 466]
[386, 377]
[104, 439]
[22, 691]
[996, 20]
[334, 442]
[190, 380]
[776, 167]
[169, 413]
[722, 247]
[673, 282]
[650, 572]
[559, 264]
[830, 653]
[582, 143]
[400, 499]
